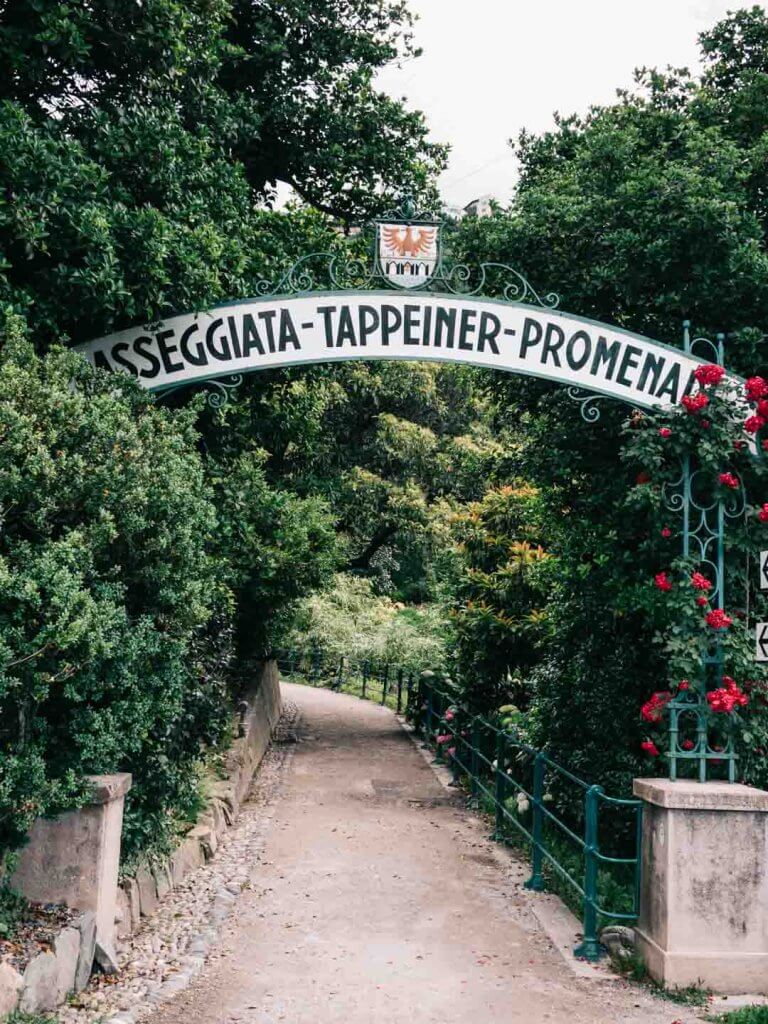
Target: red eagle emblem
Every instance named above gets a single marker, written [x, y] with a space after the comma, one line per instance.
[410, 243]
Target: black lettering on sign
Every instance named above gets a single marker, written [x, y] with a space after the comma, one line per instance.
[629, 361]
[234, 337]
[445, 320]
[346, 329]
[251, 336]
[327, 314]
[578, 350]
[197, 358]
[467, 328]
[166, 351]
[117, 355]
[142, 346]
[532, 332]
[426, 327]
[223, 353]
[605, 354]
[267, 316]
[288, 335]
[488, 332]
[101, 362]
[652, 367]
[368, 317]
[670, 385]
[554, 338]
[391, 319]
[411, 325]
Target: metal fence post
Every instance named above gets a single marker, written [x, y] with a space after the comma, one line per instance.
[385, 683]
[399, 690]
[340, 675]
[474, 760]
[536, 881]
[409, 696]
[366, 668]
[500, 785]
[589, 948]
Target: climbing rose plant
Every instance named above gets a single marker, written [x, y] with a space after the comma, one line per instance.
[722, 428]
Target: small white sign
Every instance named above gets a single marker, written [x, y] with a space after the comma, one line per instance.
[761, 641]
[763, 566]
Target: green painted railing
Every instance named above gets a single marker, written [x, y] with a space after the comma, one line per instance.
[532, 799]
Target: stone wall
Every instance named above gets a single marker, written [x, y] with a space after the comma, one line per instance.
[57, 867]
[138, 895]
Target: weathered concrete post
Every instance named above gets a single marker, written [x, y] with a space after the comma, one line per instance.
[74, 859]
[704, 899]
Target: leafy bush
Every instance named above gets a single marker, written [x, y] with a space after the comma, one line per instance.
[745, 1015]
[350, 619]
[106, 587]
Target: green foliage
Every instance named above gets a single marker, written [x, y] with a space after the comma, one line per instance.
[17, 1017]
[745, 1015]
[275, 546]
[350, 620]
[106, 587]
[495, 616]
[140, 136]
[143, 547]
[644, 213]
[389, 446]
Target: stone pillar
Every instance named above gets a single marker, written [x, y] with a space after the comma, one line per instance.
[704, 899]
[74, 859]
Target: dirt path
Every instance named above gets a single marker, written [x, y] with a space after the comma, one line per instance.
[380, 901]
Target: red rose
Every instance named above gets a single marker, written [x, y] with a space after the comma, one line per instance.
[666, 532]
[755, 388]
[729, 480]
[643, 478]
[709, 374]
[665, 432]
[683, 685]
[762, 515]
[717, 619]
[695, 403]
[662, 581]
[741, 445]
[762, 408]
[652, 710]
[726, 698]
[700, 582]
[702, 601]
[687, 744]
[754, 423]
[649, 747]
[705, 424]
[764, 445]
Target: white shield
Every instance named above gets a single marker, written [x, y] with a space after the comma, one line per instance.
[408, 253]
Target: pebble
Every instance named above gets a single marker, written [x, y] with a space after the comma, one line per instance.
[169, 949]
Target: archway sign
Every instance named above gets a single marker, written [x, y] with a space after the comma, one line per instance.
[409, 304]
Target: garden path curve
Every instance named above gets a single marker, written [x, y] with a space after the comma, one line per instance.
[379, 900]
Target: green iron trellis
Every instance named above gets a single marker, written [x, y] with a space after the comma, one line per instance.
[498, 767]
[704, 519]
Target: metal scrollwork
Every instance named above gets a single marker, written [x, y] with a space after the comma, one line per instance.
[223, 390]
[590, 404]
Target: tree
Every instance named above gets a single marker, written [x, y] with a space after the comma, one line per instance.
[284, 90]
[644, 213]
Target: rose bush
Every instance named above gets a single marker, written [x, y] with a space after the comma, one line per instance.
[728, 467]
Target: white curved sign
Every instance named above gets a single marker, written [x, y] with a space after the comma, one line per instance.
[325, 327]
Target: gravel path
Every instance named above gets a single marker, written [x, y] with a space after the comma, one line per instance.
[377, 899]
[170, 949]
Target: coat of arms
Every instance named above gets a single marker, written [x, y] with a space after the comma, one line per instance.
[408, 253]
